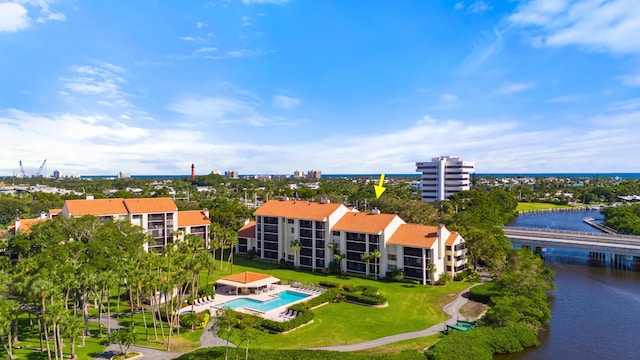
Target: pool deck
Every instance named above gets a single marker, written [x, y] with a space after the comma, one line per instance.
[274, 314]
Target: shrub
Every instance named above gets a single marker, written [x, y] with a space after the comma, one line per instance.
[395, 275]
[483, 293]
[444, 278]
[329, 284]
[198, 321]
[285, 264]
[251, 254]
[347, 287]
[207, 290]
[334, 267]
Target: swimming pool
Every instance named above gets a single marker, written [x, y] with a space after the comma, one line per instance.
[281, 299]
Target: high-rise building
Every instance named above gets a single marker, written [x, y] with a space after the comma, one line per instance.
[314, 174]
[57, 174]
[231, 174]
[298, 174]
[444, 176]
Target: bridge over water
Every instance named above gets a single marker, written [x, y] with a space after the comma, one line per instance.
[614, 244]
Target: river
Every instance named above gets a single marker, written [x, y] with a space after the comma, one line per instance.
[595, 311]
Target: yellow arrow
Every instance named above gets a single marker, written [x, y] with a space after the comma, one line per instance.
[379, 188]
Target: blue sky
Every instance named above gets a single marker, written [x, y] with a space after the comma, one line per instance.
[345, 86]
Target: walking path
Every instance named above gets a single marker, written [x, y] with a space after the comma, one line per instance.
[207, 339]
[452, 309]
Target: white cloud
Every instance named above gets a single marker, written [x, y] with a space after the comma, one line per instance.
[627, 105]
[274, 2]
[101, 83]
[481, 53]
[512, 88]
[94, 144]
[245, 21]
[596, 25]
[206, 50]
[459, 5]
[285, 102]
[241, 109]
[478, 6]
[13, 17]
[631, 79]
[566, 99]
[449, 97]
[52, 17]
[235, 54]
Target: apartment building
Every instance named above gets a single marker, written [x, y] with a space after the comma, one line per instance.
[444, 176]
[159, 217]
[323, 229]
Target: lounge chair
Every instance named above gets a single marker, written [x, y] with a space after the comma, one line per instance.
[209, 299]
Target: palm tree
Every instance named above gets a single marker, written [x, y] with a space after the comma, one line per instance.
[375, 255]
[72, 327]
[8, 309]
[296, 246]
[366, 257]
[431, 269]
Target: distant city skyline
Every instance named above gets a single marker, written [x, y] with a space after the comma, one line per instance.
[270, 86]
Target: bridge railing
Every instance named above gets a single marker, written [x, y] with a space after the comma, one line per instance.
[621, 236]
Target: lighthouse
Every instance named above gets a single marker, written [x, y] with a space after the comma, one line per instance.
[193, 171]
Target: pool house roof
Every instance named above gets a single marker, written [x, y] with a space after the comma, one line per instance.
[248, 279]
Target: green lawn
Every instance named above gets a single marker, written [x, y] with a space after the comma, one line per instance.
[527, 206]
[411, 308]
[29, 345]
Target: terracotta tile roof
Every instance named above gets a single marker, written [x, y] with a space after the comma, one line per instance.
[360, 222]
[53, 212]
[415, 235]
[452, 238]
[95, 207]
[25, 225]
[248, 231]
[192, 218]
[297, 209]
[150, 205]
[246, 277]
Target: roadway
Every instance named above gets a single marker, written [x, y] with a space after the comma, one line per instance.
[573, 240]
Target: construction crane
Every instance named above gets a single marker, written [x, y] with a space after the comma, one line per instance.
[41, 169]
[22, 170]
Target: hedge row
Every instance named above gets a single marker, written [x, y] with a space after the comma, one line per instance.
[260, 354]
[483, 293]
[483, 342]
[364, 294]
[329, 284]
[277, 326]
[304, 317]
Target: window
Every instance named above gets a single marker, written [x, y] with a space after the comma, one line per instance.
[392, 257]
[136, 217]
[293, 231]
[393, 267]
[319, 225]
[336, 233]
[289, 221]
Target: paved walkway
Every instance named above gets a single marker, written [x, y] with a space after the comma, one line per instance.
[452, 309]
[207, 339]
